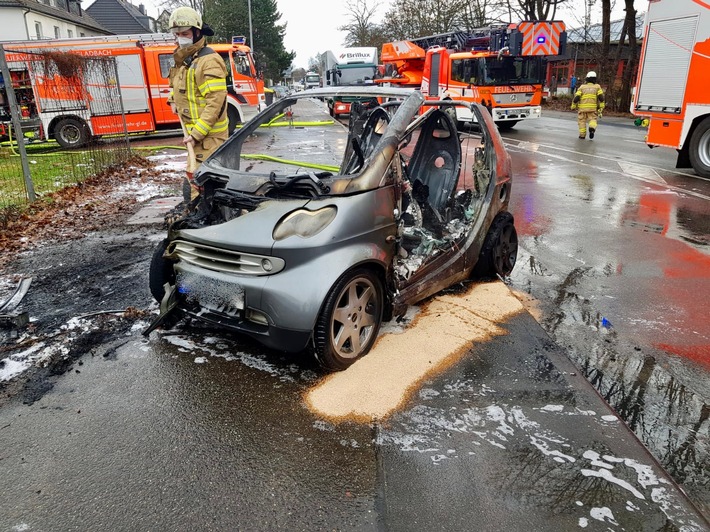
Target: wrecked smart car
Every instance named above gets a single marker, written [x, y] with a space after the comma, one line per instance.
[307, 255]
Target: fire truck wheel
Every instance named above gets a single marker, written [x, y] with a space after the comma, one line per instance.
[507, 125]
[234, 121]
[700, 149]
[71, 133]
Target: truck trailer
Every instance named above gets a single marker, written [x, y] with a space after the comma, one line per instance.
[348, 67]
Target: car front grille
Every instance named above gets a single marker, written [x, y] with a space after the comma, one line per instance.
[223, 260]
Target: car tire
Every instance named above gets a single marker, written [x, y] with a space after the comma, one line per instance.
[161, 272]
[700, 149]
[71, 133]
[349, 321]
[500, 249]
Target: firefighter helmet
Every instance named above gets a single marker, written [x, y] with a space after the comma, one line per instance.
[591, 74]
[186, 17]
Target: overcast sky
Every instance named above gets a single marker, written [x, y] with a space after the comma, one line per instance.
[312, 24]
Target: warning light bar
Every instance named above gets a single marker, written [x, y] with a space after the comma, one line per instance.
[239, 39]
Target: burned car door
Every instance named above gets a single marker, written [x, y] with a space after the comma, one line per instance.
[457, 190]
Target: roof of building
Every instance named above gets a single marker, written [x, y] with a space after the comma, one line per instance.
[78, 17]
[594, 32]
[121, 17]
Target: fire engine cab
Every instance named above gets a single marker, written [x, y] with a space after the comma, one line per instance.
[502, 67]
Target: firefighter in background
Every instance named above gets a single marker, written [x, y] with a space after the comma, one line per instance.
[589, 102]
[199, 86]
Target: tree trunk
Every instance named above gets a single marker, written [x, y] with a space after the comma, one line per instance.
[632, 63]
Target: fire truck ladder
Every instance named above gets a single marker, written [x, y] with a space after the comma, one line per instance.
[491, 38]
[147, 38]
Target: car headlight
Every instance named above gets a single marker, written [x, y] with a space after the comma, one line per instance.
[304, 223]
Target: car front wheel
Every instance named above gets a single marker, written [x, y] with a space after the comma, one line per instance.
[161, 272]
[349, 320]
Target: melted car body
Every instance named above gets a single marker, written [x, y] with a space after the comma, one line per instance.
[317, 256]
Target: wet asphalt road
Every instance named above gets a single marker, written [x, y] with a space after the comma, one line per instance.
[205, 432]
[614, 251]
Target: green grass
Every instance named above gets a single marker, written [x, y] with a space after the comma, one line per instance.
[51, 169]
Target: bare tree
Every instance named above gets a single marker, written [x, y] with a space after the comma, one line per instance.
[534, 9]
[632, 60]
[361, 26]
[409, 19]
[171, 5]
[480, 13]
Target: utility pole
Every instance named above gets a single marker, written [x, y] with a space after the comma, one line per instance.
[251, 34]
[16, 125]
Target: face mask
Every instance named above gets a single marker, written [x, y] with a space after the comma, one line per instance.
[184, 41]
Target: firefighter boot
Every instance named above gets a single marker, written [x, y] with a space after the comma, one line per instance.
[591, 132]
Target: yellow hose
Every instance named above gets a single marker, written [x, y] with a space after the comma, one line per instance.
[299, 124]
[260, 157]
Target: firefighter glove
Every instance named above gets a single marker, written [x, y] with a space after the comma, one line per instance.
[574, 106]
[599, 113]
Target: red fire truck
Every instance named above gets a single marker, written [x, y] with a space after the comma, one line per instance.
[74, 106]
[502, 67]
[673, 79]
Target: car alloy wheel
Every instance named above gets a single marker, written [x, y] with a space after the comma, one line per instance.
[349, 321]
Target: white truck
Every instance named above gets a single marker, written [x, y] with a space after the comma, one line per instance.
[312, 79]
[347, 67]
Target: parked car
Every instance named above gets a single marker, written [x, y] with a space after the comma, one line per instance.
[280, 91]
[316, 260]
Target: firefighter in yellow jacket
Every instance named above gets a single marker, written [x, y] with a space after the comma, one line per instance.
[199, 86]
[589, 102]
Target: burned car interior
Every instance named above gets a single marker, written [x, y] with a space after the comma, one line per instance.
[412, 207]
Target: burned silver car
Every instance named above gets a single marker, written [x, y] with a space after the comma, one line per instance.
[314, 254]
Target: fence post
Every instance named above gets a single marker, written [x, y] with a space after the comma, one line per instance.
[16, 125]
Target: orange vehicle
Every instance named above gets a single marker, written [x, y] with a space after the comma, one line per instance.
[673, 79]
[502, 67]
[72, 104]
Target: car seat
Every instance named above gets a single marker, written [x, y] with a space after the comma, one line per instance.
[362, 146]
[436, 159]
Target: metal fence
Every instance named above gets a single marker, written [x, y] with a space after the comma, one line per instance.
[51, 105]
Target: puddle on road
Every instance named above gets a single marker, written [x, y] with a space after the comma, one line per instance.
[445, 329]
[651, 390]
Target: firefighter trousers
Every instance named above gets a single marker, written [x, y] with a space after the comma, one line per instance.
[203, 149]
[584, 117]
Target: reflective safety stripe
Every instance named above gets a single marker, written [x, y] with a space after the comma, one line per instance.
[588, 97]
[191, 95]
[213, 85]
[196, 101]
[204, 129]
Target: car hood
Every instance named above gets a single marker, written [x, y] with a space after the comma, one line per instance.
[251, 232]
